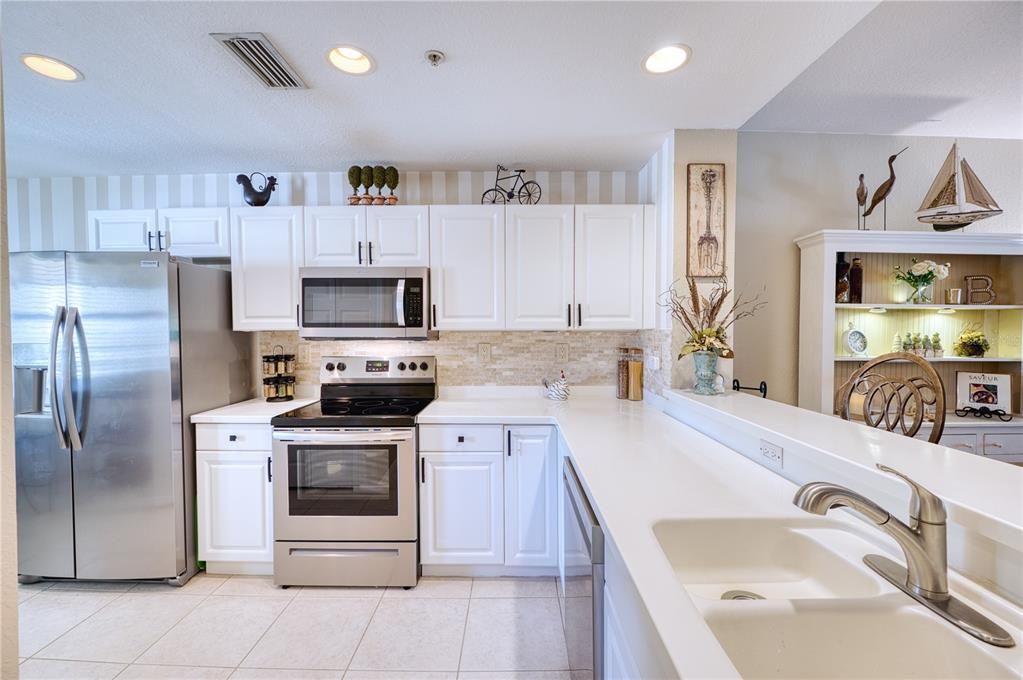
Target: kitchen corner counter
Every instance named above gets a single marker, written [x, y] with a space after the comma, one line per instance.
[253, 411]
[640, 466]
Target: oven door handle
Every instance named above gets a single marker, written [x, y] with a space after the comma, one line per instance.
[342, 437]
[399, 303]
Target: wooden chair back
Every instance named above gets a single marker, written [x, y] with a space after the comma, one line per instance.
[894, 404]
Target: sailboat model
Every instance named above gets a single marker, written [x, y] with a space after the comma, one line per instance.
[956, 197]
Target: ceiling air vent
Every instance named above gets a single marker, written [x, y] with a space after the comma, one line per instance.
[261, 58]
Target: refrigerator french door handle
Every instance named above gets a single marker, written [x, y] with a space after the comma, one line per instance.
[58, 318]
[70, 325]
[399, 303]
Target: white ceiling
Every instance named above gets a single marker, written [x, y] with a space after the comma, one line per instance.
[913, 68]
[549, 85]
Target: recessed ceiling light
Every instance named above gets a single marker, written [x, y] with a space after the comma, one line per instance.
[667, 59]
[350, 60]
[50, 67]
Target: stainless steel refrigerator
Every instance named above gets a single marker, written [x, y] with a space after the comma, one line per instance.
[113, 352]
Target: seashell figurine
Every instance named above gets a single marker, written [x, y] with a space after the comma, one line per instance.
[558, 389]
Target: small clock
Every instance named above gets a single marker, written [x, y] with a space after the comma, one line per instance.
[855, 341]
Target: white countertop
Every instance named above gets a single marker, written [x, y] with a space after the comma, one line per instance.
[640, 466]
[255, 411]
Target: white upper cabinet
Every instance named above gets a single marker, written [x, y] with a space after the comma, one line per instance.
[531, 497]
[609, 259]
[266, 252]
[539, 257]
[195, 232]
[467, 266]
[398, 236]
[367, 236]
[123, 230]
[335, 236]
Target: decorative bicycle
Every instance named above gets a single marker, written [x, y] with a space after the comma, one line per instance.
[528, 192]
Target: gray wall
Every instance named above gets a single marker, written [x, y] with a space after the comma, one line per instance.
[794, 184]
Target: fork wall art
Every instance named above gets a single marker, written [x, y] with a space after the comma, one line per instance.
[705, 226]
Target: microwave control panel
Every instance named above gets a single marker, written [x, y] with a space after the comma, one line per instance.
[414, 303]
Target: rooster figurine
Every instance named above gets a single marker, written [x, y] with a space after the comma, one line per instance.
[257, 197]
[558, 389]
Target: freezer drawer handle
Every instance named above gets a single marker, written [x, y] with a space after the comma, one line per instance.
[58, 318]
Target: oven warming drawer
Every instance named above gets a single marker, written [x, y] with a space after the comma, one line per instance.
[301, 563]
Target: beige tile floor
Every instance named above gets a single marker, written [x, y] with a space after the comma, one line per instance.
[244, 628]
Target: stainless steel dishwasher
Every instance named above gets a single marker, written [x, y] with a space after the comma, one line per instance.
[581, 583]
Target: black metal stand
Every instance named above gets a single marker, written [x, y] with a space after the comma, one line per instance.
[984, 412]
[762, 389]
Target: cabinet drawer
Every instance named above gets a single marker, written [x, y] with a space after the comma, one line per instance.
[961, 442]
[461, 438]
[1009, 443]
[230, 437]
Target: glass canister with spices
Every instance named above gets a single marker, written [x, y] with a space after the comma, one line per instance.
[279, 383]
[623, 373]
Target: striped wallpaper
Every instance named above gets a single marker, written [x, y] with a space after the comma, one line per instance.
[47, 213]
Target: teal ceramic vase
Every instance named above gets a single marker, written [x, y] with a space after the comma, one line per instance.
[706, 365]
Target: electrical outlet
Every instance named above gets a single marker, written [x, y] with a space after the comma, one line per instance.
[653, 362]
[772, 454]
[303, 353]
[483, 352]
[561, 353]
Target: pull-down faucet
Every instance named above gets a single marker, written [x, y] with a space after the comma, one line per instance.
[924, 544]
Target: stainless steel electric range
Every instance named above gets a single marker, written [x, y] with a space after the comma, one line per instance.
[345, 497]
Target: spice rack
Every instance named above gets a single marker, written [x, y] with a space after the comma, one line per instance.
[278, 375]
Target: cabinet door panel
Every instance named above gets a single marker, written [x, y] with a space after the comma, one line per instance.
[400, 235]
[195, 232]
[122, 230]
[235, 515]
[609, 266]
[462, 508]
[266, 252]
[530, 491]
[467, 266]
[618, 661]
[333, 235]
[539, 261]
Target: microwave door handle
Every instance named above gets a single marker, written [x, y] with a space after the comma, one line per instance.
[58, 318]
[69, 398]
[399, 303]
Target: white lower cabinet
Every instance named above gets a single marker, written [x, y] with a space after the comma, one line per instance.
[235, 506]
[618, 661]
[531, 497]
[492, 507]
[461, 508]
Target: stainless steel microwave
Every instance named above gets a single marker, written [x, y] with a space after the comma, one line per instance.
[364, 302]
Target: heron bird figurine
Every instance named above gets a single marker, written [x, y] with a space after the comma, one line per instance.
[861, 200]
[885, 188]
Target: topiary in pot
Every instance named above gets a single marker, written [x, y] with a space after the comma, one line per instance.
[354, 178]
[378, 182]
[391, 180]
[367, 181]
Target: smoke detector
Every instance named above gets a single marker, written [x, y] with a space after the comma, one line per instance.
[435, 57]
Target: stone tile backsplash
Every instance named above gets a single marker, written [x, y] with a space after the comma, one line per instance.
[517, 358]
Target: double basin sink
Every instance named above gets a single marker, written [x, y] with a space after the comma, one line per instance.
[791, 598]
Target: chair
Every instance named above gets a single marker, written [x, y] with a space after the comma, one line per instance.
[892, 403]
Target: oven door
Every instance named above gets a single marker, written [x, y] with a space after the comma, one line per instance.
[344, 485]
[350, 302]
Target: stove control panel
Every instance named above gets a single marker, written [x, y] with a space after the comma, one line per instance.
[377, 369]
